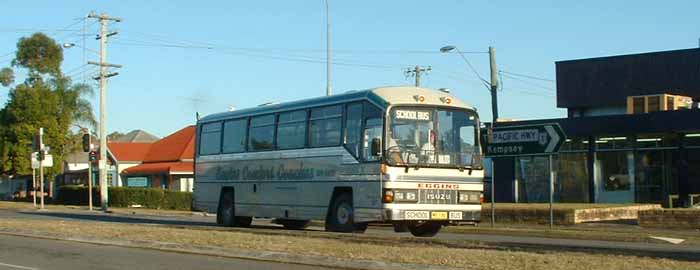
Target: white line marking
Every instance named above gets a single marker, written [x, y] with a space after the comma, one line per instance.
[18, 266]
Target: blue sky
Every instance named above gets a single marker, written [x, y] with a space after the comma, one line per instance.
[261, 51]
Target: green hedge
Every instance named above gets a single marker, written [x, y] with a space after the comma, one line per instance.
[154, 198]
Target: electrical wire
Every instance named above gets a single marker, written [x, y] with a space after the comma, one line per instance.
[527, 76]
[527, 82]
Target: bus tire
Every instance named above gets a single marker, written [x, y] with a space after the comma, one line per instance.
[424, 229]
[294, 224]
[243, 222]
[340, 218]
[225, 214]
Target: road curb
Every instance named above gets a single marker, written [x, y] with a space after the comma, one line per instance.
[267, 256]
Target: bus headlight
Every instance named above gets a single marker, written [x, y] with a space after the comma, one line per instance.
[469, 197]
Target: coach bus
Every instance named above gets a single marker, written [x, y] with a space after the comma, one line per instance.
[405, 156]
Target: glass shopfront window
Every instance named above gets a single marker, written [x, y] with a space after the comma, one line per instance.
[532, 174]
[572, 178]
[656, 176]
[614, 177]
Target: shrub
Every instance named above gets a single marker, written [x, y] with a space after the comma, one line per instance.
[154, 198]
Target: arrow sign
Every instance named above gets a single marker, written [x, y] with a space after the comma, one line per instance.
[542, 139]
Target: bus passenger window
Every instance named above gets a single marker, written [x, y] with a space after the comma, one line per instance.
[325, 126]
[262, 132]
[210, 141]
[291, 130]
[353, 128]
[234, 136]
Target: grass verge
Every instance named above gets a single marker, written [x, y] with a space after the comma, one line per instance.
[392, 251]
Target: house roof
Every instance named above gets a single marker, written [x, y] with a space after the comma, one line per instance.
[178, 146]
[129, 151]
[137, 136]
[179, 167]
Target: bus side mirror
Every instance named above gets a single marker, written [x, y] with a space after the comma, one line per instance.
[376, 147]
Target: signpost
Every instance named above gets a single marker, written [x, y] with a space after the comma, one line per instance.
[525, 140]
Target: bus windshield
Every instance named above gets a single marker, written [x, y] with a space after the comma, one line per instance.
[433, 137]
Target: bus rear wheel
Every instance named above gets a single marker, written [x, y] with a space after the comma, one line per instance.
[341, 216]
[226, 213]
[424, 229]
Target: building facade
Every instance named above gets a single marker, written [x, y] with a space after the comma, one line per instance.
[616, 153]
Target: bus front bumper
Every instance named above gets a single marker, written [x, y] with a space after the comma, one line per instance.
[420, 212]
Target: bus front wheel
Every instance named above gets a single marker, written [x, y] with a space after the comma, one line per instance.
[226, 213]
[341, 215]
[425, 229]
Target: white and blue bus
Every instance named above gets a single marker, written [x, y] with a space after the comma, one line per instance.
[407, 156]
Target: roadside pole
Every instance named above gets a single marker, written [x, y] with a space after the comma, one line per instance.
[90, 184]
[551, 192]
[493, 203]
[41, 166]
[34, 182]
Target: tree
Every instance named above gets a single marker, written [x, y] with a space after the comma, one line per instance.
[48, 99]
[114, 135]
[7, 77]
[40, 54]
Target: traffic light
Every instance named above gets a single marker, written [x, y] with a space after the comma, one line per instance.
[86, 142]
[93, 156]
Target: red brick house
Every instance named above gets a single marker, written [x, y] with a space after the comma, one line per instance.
[168, 163]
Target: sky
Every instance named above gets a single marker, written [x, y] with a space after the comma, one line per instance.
[183, 57]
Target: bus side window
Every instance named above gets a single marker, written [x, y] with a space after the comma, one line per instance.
[353, 128]
[210, 140]
[373, 127]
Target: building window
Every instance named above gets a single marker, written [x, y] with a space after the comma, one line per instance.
[532, 174]
[210, 141]
[325, 126]
[262, 133]
[234, 136]
[614, 171]
[353, 128]
[291, 130]
[572, 178]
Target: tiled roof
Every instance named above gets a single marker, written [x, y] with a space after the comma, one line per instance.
[162, 167]
[129, 151]
[137, 136]
[178, 146]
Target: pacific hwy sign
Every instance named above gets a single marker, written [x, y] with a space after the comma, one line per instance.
[542, 139]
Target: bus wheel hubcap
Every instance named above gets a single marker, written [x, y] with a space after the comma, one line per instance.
[344, 212]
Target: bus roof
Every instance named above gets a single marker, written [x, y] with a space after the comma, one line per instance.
[382, 96]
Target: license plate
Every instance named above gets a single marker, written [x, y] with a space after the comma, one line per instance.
[455, 215]
[417, 215]
[438, 215]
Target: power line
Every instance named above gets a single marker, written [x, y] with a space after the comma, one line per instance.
[527, 76]
[528, 82]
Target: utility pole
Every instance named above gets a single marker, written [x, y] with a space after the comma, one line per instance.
[103, 18]
[329, 88]
[416, 72]
[494, 84]
[40, 157]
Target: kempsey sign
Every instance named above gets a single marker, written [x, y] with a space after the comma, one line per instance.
[544, 139]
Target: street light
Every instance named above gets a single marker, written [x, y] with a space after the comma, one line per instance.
[68, 45]
[491, 86]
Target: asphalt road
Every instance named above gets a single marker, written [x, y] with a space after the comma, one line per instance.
[504, 241]
[23, 253]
